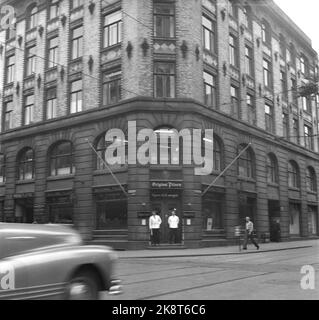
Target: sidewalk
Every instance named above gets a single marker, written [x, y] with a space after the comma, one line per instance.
[217, 251]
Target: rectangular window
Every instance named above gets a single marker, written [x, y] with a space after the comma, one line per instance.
[54, 9]
[53, 45]
[31, 60]
[249, 66]
[269, 118]
[76, 96]
[283, 82]
[233, 9]
[8, 112]
[233, 54]
[210, 90]
[294, 91]
[164, 80]
[308, 137]
[76, 3]
[51, 103]
[208, 34]
[295, 128]
[111, 87]
[234, 92]
[306, 102]
[112, 32]
[164, 21]
[10, 64]
[251, 110]
[288, 56]
[11, 33]
[267, 73]
[28, 109]
[285, 125]
[303, 65]
[77, 43]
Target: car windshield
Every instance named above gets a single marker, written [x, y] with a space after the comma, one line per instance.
[18, 239]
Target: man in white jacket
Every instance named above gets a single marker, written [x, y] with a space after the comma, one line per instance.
[173, 222]
[249, 234]
[155, 222]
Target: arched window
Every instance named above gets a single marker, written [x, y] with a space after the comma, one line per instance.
[272, 169]
[61, 159]
[54, 9]
[246, 163]
[168, 148]
[26, 164]
[311, 179]
[33, 17]
[2, 168]
[101, 147]
[293, 175]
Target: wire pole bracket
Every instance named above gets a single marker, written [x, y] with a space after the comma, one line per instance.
[223, 172]
[108, 167]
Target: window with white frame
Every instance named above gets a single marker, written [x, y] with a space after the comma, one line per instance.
[28, 109]
[76, 96]
[112, 31]
[210, 89]
[208, 34]
[51, 103]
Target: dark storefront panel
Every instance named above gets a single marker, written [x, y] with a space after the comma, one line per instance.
[111, 208]
[24, 211]
[111, 214]
[60, 207]
[213, 211]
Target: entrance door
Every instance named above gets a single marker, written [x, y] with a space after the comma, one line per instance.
[274, 219]
[312, 220]
[24, 211]
[164, 208]
[247, 208]
[294, 213]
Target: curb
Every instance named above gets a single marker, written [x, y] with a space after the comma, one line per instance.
[212, 254]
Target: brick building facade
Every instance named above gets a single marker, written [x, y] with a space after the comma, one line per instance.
[71, 70]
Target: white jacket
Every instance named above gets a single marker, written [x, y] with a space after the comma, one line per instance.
[173, 222]
[155, 222]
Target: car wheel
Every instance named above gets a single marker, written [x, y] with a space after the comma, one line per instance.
[83, 286]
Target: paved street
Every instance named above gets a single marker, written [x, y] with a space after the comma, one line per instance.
[219, 273]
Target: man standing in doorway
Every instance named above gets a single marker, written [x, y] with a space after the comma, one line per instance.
[155, 222]
[249, 234]
[173, 222]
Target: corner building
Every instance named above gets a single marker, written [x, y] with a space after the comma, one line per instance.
[72, 70]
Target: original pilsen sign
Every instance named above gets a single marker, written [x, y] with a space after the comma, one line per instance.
[166, 185]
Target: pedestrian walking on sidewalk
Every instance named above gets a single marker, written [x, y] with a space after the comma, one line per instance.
[155, 222]
[249, 234]
[173, 222]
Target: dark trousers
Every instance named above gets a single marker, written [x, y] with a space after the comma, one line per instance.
[251, 238]
[155, 237]
[173, 235]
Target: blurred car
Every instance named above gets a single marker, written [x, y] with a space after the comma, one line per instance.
[51, 262]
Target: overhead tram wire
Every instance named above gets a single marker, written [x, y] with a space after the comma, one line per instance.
[136, 94]
[132, 92]
[229, 74]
